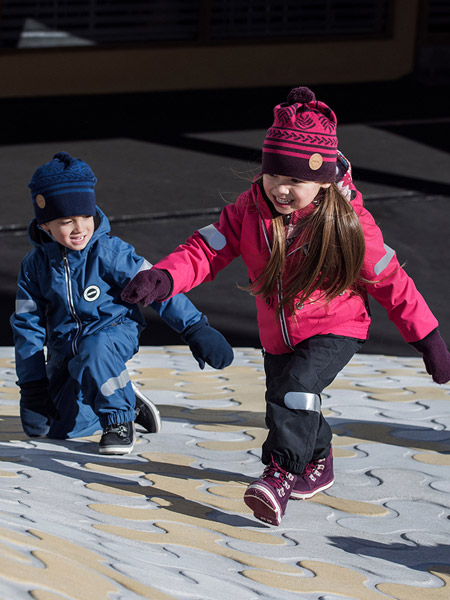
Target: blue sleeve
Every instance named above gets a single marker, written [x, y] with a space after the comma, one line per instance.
[29, 326]
[120, 262]
[178, 312]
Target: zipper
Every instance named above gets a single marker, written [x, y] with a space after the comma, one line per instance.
[303, 248]
[76, 318]
[284, 329]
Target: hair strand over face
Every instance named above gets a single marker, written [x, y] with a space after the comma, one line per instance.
[334, 249]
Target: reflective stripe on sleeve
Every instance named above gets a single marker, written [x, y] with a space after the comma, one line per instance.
[145, 266]
[383, 262]
[215, 239]
[25, 306]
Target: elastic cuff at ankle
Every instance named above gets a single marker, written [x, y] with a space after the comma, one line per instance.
[116, 417]
[296, 468]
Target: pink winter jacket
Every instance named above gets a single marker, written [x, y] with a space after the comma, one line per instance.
[245, 229]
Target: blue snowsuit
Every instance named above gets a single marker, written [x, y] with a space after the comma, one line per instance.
[69, 302]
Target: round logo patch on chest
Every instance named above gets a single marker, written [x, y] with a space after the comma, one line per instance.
[91, 293]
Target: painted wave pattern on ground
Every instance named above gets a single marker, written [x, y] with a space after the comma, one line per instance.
[168, 521]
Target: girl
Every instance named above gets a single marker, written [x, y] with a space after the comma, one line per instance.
[313, 255]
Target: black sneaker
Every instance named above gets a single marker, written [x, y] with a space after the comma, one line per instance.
[147, 415]
[117, 439]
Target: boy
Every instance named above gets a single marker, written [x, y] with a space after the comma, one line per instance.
[68, 300]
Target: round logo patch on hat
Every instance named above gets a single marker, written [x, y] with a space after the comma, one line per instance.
[316, 161]
[91, 293]
[40, 201]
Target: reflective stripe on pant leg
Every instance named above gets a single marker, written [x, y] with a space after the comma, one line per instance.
[115, 383]
[302, 401]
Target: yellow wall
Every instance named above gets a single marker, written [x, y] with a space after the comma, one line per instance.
[95, 71]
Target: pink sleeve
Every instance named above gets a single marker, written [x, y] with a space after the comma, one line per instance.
[207, 251]
[392, 287]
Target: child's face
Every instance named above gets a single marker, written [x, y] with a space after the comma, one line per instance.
[288, 194]
[72, 232]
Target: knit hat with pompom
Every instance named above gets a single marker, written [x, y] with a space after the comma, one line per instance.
[302, 141]
[63, 187]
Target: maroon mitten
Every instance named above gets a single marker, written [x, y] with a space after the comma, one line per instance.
[147, 286]
[435, 356]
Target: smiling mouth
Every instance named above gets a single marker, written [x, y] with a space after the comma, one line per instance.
[283, 201]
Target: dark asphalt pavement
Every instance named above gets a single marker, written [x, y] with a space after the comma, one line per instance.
[167, 163]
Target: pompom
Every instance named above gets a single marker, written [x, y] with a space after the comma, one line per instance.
[301, 95]
[64, 157]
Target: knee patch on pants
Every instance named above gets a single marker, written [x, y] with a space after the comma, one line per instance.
[302, 401]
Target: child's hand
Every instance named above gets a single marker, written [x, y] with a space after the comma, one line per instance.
[36, 408]
[208, 345]
[147, 286]
[435, 356]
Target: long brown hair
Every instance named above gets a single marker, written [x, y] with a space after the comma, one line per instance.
[330, 260]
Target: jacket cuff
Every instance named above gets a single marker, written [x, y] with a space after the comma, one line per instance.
[171, 286]
[419, 344]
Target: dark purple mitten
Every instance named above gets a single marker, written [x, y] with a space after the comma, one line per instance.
[435, 356]
[147, 286]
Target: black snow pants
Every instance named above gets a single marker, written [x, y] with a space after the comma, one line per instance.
[298, 432]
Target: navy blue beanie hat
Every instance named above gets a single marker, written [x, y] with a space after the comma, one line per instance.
[63, 187]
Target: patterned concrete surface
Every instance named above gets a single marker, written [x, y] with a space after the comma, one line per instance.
[168, 521]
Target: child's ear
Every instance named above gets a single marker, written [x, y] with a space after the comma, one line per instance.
[46, 227]
[325, 185]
